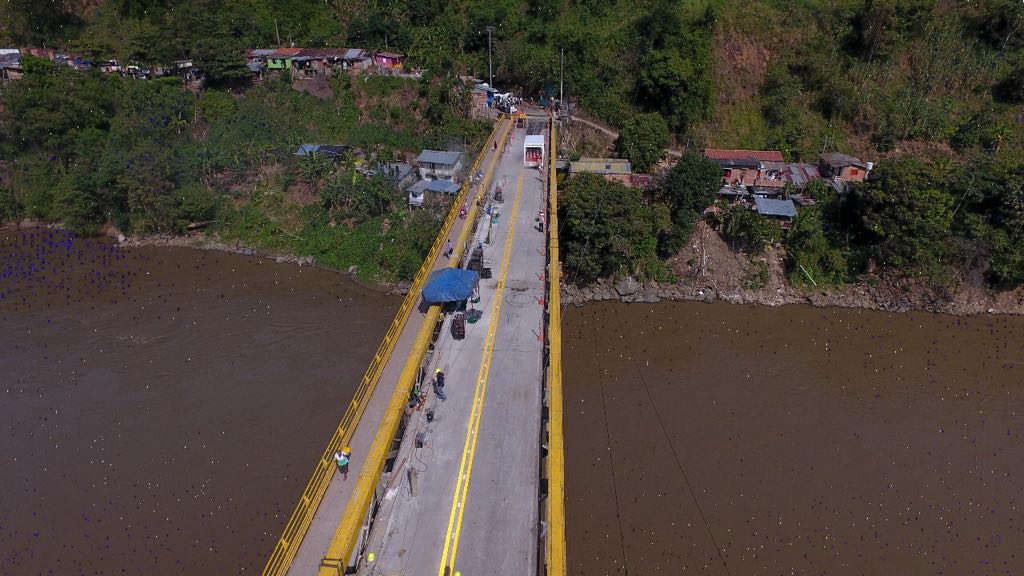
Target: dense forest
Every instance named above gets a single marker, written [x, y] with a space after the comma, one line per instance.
[930, 90]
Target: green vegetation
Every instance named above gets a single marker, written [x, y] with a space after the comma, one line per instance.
[642, 141]
[89, 149]
[610, 229]
[928, 90]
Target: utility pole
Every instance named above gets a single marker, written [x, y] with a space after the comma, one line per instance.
[277, 32]
[490, 68]
[561, 81]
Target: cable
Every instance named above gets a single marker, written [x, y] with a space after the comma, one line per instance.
[611, 464]
[679, 464]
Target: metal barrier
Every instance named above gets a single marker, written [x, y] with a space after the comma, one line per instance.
[347, 534]
[298, 524]
[556, 558]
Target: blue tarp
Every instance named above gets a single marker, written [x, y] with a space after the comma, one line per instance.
[449, 285]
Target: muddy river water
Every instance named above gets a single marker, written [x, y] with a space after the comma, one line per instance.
[162, 408]
[736, 440]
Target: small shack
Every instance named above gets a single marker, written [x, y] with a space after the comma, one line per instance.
[439, 165]
[417, 192]
[533, 150]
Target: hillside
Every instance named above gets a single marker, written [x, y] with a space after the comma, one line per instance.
[931, 91]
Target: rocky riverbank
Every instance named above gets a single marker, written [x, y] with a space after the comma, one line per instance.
[891, 295]
[709, 270]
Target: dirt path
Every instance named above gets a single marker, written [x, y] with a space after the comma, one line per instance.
[615, 135]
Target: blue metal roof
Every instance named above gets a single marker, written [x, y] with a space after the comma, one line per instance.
[771, 207]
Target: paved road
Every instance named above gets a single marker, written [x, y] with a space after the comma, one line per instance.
[325, 521]
[475, 505]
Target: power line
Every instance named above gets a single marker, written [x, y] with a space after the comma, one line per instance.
[679, 464]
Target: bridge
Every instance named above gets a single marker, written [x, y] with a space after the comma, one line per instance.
[473, 484]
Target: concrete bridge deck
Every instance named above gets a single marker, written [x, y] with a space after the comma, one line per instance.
[476, 508]
[467, 500]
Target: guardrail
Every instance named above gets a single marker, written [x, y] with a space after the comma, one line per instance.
[556, 557]
[347, 534]
[298, 524]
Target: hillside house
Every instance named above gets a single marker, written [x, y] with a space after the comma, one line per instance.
[780, 209]
[437, 165]
[333, 152]
[281, 58]
[399, 174]
[10, 66]
[843, 168]
[389, 60]
[747, 168]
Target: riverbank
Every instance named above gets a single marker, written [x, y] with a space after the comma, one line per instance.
[709, 270]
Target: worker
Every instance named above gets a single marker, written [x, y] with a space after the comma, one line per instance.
[341, 459]
[439, 384]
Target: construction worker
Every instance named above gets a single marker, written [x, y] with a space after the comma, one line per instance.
[341, 459]
[439, 384]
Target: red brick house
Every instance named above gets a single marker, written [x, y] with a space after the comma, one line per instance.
[747, 167]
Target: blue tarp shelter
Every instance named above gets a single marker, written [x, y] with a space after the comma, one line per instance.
[449, 285]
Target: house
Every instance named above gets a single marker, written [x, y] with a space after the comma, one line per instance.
[10, 66]
[747, 168]
[281, 59]
[438, 165]
[613, 170]
[331, 151]
[399, 173]
[356, 60]
[842, 168]
[417, 192]
[313, 62]
[801, 174]
[389, 60]
[256, 61]
[783, 209]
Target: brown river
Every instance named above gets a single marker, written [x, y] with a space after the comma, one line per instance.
[735, 440]
[162, 409]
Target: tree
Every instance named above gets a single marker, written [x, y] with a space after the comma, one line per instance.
[687, 189]
[643, 139]
[749, 231]
[809, 252]
[901, 215]
[607, 229]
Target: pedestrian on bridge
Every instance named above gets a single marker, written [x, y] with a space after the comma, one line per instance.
[341, 459]
[448, 249]
[439, 384]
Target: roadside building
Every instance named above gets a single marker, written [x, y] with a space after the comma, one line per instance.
[418, 192]
[356, 60]
[437, 165]
[613, 170]
[843, 168]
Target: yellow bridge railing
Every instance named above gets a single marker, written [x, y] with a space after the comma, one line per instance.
[346, 536]
[298, 523]
[556, 562]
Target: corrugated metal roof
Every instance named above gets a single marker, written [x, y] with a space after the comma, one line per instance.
[438, 157]
[355, 54]
[396, 170]
[771, 207]
[262, 51]
[760, 155]
[285, 52]
[601, 166]
[392, 55]
[10, 61]
[838, 160]
[323, 52]
[439, 186]
[305, 149]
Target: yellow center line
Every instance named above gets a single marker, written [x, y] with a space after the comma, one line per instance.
[451, 541]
